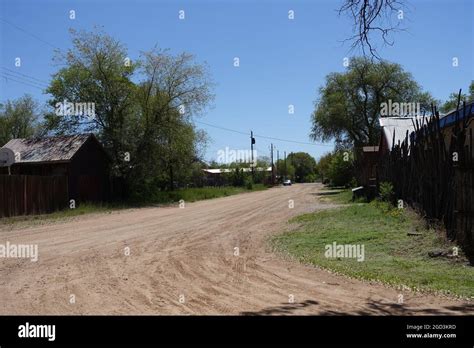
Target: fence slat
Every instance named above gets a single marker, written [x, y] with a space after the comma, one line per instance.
[27, 194]
[426, 175]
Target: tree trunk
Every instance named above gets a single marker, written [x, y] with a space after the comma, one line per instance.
[171, 178]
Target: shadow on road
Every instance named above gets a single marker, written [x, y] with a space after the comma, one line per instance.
[373, 308]
[325, 193]
[285, 308]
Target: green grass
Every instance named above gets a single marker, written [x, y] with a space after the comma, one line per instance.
[197, 194]
[391, 255]
[163, 197]
[335, 195]
[82, 209]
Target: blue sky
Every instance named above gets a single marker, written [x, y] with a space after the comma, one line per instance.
[282, 61]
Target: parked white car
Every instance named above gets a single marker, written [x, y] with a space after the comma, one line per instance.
[287, 182]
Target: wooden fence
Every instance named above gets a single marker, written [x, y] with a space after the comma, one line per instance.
[434, 172]
[27, 194]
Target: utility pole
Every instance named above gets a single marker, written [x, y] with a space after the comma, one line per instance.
[252, 141]
[286, 173]
[278, 160]
[273, 170]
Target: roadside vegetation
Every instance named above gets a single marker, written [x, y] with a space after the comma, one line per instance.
[82, 209]
[201, 193]
[399, 247]
[163, 197]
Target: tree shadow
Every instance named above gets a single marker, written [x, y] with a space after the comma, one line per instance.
[285, 308]
[380, 308]
[374, 308]
[325, 193]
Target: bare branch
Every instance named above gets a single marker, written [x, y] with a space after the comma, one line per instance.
[372, 19]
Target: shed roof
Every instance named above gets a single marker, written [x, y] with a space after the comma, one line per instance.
[400, 126]
[50, 149]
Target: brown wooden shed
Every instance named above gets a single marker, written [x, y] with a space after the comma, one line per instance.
[81, 158]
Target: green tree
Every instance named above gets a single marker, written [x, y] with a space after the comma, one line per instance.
[237, 177]
[181, 151]
[96, 70]
[341, 169]
[285, 170]
[148, 119]
[304, 165]
[19, 119]
[350, 102]
[322, 167]
[452, 102]
[260, 176]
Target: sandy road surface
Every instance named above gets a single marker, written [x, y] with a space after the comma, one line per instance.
[188, 255]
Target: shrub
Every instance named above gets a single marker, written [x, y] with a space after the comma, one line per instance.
[340, 171]
[249, 184]
[238, 177]
[353, 182]
[310, 178]
[386, 192]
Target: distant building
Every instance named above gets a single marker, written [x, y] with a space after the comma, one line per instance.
[214, 175]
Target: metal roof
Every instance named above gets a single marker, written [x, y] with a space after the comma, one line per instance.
[463, 112]
[216, 171]
[400, 126]
[50, 149]
[228, 170]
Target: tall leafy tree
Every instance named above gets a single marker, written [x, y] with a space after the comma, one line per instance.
[349, 103]
[95, 70]
[322, 166]
[304, 165]
[285, 170]
[173, 88]
[142, 108]
[340, 171]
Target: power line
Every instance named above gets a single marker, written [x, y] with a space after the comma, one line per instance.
[24, 79]
[262, 136]
[24, 83]
[30, 34]
[223, 128]
[25, 75]
[7, 78]
[207, 124]
[293, 141]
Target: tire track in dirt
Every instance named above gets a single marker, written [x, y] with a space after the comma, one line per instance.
[190, 252]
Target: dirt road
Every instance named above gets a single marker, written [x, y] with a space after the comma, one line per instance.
[183, 261]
